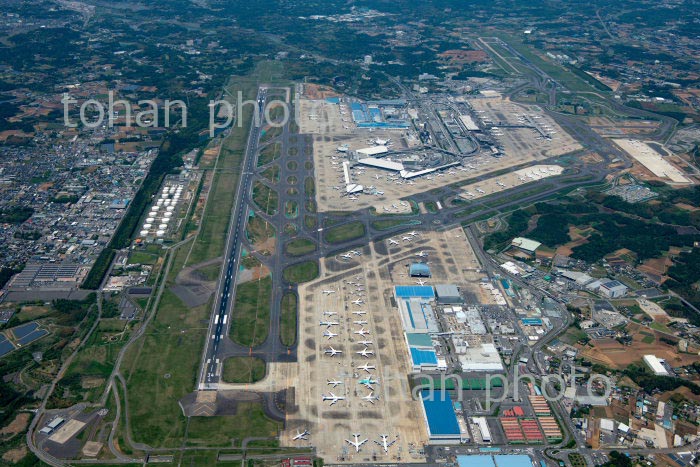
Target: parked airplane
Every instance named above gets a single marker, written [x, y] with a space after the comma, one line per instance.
[501, 184]
[328, 334]
[328, 292]
[359, 313]
[362, 332]
[367, 367]
[413, 233]
[360, 322]
[365, 352]
[420, 282]
[355, 252]
[406, 239]
[330, 313]
[301, 435]
[368, 382]
[421, 254]
[384, 443]
[371, 398]
[328, 323]
[334, 383]
[393, 242]
[358, 302]
[480, 190]
[365, 343]
[357, 443]
[346, 256]
[332, 352]
[332, 397]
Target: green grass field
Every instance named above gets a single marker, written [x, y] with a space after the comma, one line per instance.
[288, 319]
[309, 186]
[270, 134]
[302, 272]
[300, 247]
[345, 232]
[265, 198]
[219, 431]
[162, 369]
[386, 224]
[243, 370]
[291, 209]
[142, 257]
[269, 153]
[310, 222]
[250, 319]
[259, 230]
[272, 173]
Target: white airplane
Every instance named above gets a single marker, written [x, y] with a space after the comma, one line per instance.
[421, 254]
[371, 398]
[406, 239]
[328, 292]
[384, 443]
[332, 352]
[352, 198]
[501, 184]
[357, 443]
[328, 334]
[363, 332]
[420, 282]
[469, 193]
[393, 242]
[522, 179]
[328, 323]
[330, 313]
[301, 435]
[365, 352]
[355, 252]
[358, 302]
[333, 383]
[332, 397]
[413, 233]
[359, 313]
[365, 343]
[346, 256]
[367, 367]
[480, 190]
[360, 322]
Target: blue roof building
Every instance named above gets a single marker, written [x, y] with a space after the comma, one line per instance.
[440, 417]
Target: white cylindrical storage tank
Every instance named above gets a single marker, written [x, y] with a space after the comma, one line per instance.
[170, 208]
[167, 215]
[149, 219]
[160, 233]
[147, 225]
[163, 226]
[144, 233]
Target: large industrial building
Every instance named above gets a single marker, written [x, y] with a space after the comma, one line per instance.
[441, 419]
[655, 365]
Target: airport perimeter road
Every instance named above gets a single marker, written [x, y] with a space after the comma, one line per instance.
[212, 363]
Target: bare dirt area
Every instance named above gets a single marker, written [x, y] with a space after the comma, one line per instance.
[18, 425]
